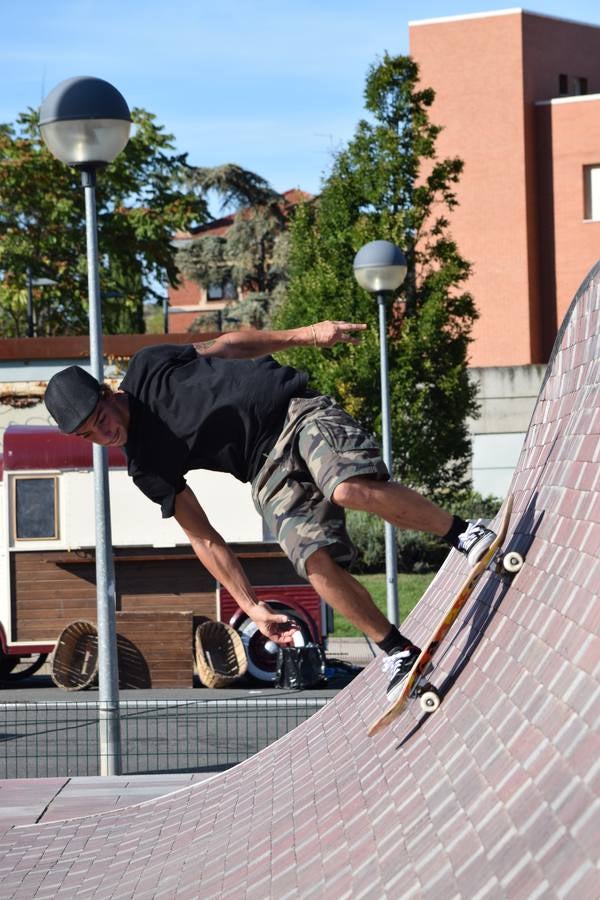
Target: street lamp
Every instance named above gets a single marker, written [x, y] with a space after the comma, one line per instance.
[31, 283]
[85, 123]
[380, 268]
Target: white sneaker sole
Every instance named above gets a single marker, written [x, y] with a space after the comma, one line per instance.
[393, 695]
[476, 552]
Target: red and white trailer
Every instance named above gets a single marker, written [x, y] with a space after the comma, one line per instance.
[47, 567]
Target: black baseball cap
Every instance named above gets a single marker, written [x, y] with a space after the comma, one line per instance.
[71, 397]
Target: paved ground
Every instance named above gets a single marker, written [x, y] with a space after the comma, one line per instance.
[27, 801]
[31, 800]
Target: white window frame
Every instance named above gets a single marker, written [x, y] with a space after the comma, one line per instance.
[27, 540]
[591, 193]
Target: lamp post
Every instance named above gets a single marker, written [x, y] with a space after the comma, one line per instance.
[380, 268]
[85, 123]
[31, 283]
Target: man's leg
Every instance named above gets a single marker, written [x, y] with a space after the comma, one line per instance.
[399, 505]
[405, 508]
[346, 595]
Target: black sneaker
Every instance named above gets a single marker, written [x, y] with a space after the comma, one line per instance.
[475, 541]
[397, 665]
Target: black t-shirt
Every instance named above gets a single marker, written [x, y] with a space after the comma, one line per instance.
[202, 412]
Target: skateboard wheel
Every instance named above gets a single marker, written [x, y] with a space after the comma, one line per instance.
[512, 562]
[429, 700]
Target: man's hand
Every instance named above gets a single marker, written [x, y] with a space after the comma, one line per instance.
[277, 627]
[326, 334]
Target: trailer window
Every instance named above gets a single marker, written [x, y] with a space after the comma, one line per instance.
[35, 508]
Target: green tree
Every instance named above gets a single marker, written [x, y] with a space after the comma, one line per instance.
[388, 183]
[42, 226]
[248, 260]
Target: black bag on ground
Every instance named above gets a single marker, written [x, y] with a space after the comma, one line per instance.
[300, 667]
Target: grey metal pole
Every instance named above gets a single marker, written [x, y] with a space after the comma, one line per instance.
[391, 560]
[108, 676]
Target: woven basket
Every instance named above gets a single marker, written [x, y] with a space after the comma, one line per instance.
[75, 660]
[220, 654]
[134, 672]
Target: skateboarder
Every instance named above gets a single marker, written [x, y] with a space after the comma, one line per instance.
[228, 406]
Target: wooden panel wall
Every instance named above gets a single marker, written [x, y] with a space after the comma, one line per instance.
[155, 649]
[50, 589]
[46, 598]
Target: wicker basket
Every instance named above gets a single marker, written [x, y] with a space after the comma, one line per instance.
[134, 673]
[220, 654]
[75, 659]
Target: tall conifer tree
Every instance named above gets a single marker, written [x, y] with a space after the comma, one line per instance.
[388, 183]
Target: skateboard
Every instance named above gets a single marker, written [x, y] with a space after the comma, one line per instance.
[416, 684]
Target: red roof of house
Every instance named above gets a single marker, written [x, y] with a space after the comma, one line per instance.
[218, 227]
[44, 447]
[78, 346]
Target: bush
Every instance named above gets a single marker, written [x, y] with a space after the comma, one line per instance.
[367, 533]
[417, 552]
[472, 505]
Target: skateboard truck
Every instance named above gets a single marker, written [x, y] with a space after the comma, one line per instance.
[430, 699]
[508, 562]
[428, 694]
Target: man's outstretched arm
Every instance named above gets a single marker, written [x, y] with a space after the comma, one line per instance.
[215, 555]
[250, 343]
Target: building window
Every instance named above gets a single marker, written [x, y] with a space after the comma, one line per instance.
[591, 193]
[214, 292]
[572, 85]
[35, 508]
[225, 291]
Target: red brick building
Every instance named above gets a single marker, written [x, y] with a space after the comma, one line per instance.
[518, 96]
[189, 301]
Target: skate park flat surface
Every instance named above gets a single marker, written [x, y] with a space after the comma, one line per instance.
[495, 795]
[26, 801]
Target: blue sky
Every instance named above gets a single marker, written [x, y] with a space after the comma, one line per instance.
[273, 86]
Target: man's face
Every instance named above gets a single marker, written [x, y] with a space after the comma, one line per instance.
[106, 425]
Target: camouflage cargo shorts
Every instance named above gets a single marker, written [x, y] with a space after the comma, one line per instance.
[319, 447]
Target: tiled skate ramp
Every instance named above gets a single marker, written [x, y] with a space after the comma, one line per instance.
[496, 795]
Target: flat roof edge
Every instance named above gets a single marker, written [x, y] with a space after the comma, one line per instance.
[575, 98]
[498, 12]
[463, 16]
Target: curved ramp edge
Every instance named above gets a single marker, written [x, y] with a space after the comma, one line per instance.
[496, 795]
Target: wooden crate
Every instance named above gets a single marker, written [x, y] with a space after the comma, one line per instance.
[164, 641]
[51, 589]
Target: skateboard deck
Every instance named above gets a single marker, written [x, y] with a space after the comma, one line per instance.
[422, 663]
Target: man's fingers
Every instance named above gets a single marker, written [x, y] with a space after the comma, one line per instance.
[352, 326]
[341, 332]
[345, 329]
